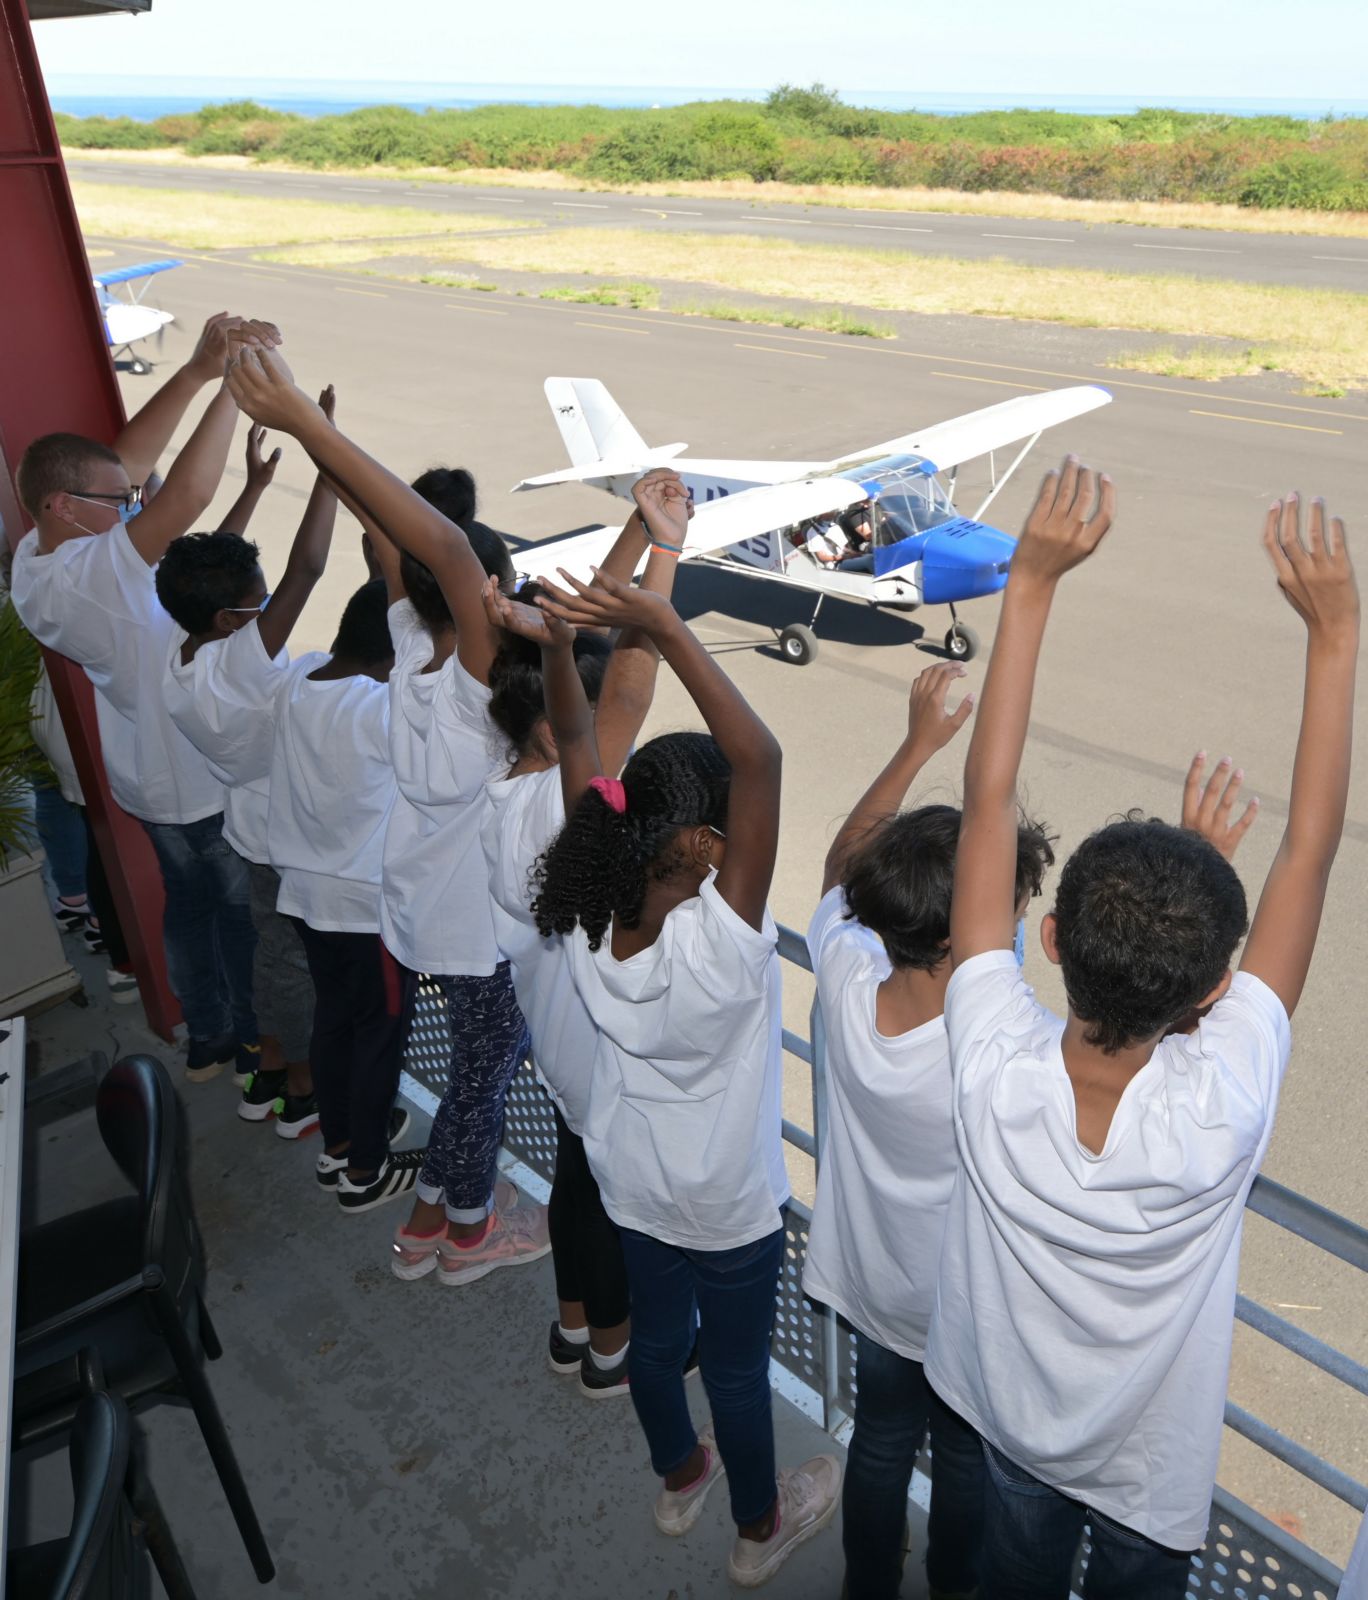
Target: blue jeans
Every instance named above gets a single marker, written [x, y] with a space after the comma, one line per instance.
[731, 1294]
[893, 1405]
[1032, 1544]
[207, 927]
[61, 831]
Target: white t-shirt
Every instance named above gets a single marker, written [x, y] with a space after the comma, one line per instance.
[684, 1126]
[1086, 1302]
[889, 1162]
[331, 789]
[223, 701]
[94, 599]
[828, 538]
[522, 817]
[435, 912]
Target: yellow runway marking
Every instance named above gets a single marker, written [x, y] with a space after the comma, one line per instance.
[778, 350]
[1001, 383]
[1265, 422]
[615, 327]
[372, 294]
[481, 311]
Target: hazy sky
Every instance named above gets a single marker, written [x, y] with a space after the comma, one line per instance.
[1198, 48]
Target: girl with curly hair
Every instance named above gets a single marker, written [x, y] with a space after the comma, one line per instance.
[658, 885]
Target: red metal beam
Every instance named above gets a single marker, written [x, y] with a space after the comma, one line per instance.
[58, 376]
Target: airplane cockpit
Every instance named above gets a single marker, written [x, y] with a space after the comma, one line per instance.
[905, 496]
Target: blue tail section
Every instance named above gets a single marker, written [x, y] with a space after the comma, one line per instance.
[961, 560]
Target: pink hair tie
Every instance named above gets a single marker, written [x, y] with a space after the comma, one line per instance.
[611, 792]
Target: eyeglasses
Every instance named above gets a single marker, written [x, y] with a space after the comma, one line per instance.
[127, 501]
[252, 610]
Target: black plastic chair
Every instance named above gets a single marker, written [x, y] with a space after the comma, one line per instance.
[100, 1558]
[127, 1279]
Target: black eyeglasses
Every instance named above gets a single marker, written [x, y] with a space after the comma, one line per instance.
[127, 501]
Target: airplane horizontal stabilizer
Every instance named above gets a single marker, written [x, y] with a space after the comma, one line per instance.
[592, 471]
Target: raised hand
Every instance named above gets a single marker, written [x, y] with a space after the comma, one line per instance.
[210, 354]
[931, 725]
[263, 387]
[1208, 808]
[327, 403]
[529, 622]
[1316, 576]
[260, 470]
[608, 604]
[664, 504]
[1071, 515]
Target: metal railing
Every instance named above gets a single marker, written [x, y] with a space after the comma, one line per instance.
[1245, 1554]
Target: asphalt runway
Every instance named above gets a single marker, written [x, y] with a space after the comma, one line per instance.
[1172, 639]
[1254, 258]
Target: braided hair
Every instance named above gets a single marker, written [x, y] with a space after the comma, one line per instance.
[599, 866]
[517, 703]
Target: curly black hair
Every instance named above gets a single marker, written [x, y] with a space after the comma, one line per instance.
[899, 879]
[425, 592]
[600, 865]
[1147, 918]
[451, 490]
[363, 634]
[202, 574]
[517, 703]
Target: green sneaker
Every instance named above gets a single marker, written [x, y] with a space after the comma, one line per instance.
[260, 1092]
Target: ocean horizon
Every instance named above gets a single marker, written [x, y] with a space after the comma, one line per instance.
[145, 99]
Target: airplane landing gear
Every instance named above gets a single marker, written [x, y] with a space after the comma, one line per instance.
[961, 642]
[798, 642]
[138, 367]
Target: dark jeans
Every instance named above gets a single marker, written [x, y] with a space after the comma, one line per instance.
[731, 1294]
[62, 835]
[207, 927]
[1032, 1544]
[585, 1249]
[363, 1000]
[893, 1405]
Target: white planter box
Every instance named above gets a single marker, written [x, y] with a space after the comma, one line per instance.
[33, 966]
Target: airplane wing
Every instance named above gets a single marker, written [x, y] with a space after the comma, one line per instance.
[948, 444]
[125, 324]
[145, 269]
[714, 526]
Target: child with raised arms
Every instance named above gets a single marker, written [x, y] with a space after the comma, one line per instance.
[1085, 1306]
[658, 883]
[225, 662]
[526, 810]
[880, 947]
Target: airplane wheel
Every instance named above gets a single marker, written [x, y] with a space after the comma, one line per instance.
[961, 643]
[138, 367]
[798, 643]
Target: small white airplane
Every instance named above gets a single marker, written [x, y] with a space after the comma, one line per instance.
[129, 322]
[877, 526]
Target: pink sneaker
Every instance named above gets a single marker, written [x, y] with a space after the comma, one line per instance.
[414, 1255]
[512, 1239]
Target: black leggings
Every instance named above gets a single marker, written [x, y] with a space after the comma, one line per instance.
[363, 1002]
[585, 1249]
[102, 900]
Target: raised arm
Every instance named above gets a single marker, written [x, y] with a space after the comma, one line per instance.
[930, 727]
[1062, 530]
[630, 678]
[1318, 580]
[260, 471]
[752, 839]
[190, 484]
[623, 559]
[308, 557]
[148, 431]
[263, 388]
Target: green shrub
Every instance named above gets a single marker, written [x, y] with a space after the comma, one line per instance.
[1305, 182]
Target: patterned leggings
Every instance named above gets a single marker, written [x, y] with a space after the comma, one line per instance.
[488, 1044]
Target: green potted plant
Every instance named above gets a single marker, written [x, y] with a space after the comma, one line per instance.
[33, 967]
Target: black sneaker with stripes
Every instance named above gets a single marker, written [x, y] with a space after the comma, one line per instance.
[327, 1169]
[397, 1175]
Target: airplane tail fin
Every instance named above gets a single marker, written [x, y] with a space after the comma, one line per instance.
[601, 443]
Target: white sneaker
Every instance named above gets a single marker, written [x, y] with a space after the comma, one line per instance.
[676, 1510]
[123, 986]
[808, 1497]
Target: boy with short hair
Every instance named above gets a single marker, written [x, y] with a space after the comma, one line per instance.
[879, 943]
[225, 662]
[1085, 1307]
[84, 585]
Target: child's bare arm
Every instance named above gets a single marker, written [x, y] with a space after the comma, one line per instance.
[1319, 583]
[623, 559]
[930, 727]
[1063, 529]
[261, 470]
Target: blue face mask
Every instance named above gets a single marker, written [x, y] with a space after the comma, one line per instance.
[1019, 943]
[127, 513]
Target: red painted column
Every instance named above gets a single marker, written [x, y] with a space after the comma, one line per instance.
[56, 374]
